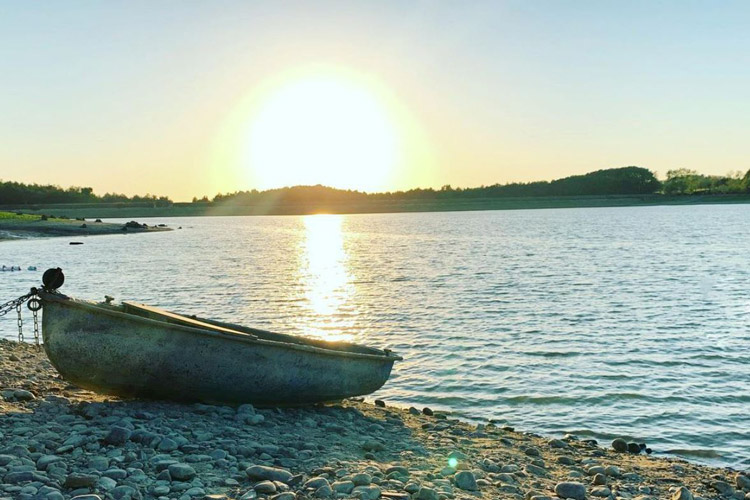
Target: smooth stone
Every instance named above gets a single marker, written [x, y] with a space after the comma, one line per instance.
[315, 483]
[682, 493]
[344, 487]
[600, 479]
[569, 489]
[411, 488]
[601, 491]
[123, 492]
[106, 483]
[118, 435]
[46, 460]
[269, 473]
[265, 487]
[565, 460]
[594, 470]
[466, 480]
[723, 487]
[181, 472]
[427, 494]
[557, 443]
[86, 497]
[98, 463]
[742, 481]
[367, 492]
[324, 491]
[116, 474]
[373, 445]
[612, 471]
[287, 495]
[620, 445]
[634, 448]
[167, 444]
[397, 469]
[362, 479]
[23, 395]
[78, 480]
[535, 470]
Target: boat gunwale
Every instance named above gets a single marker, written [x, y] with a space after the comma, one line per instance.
[233, 336]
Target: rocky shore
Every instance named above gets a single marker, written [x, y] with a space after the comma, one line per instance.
[17, 225]
[60, 442]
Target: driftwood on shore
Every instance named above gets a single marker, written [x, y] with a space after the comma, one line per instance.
[58, 441]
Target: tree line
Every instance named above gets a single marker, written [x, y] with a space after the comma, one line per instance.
[614, 181]
[18, 193]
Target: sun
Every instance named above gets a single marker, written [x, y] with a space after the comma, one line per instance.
[328, 129]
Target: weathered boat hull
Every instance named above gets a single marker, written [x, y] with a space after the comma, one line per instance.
[100, 348]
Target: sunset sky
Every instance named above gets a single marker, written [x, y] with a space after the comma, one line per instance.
[192, 98]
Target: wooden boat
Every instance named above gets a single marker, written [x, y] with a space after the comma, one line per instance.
[132, 350]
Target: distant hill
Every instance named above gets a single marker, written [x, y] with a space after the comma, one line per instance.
[614, 181]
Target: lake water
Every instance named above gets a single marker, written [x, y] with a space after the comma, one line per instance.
[599, 321]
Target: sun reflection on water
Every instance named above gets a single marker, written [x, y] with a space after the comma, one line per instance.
[326, 278]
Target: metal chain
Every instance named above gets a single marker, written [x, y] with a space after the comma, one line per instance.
[36, 326]
[20, 323]
[16, 304]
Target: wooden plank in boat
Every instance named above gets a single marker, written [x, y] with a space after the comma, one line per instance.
[156, 313]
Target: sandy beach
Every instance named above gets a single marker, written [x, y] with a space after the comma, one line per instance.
[59, 442]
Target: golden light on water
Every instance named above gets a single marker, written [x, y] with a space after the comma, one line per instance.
[326, 277]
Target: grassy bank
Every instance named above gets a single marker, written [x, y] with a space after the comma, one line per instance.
[380, 206]
[14, 225]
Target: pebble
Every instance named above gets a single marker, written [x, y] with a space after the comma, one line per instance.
[324, 491]
[367, 492]
[373, 445]
[466, 480]
[425, 493]
[117, 435]
[287, 495]
[181, 472]
[599, 479]
[315, 483]
[742, 482]
[723, 487]
[78, 480]
[576, 491]
[634, 448]
[620, 445]
[344, 487]
[682, 493]
[535, 470]
[362, 479]
[265, 487]
[269, 473]
[601, 491]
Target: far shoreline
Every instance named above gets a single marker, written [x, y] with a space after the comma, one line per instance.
[197, 209]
